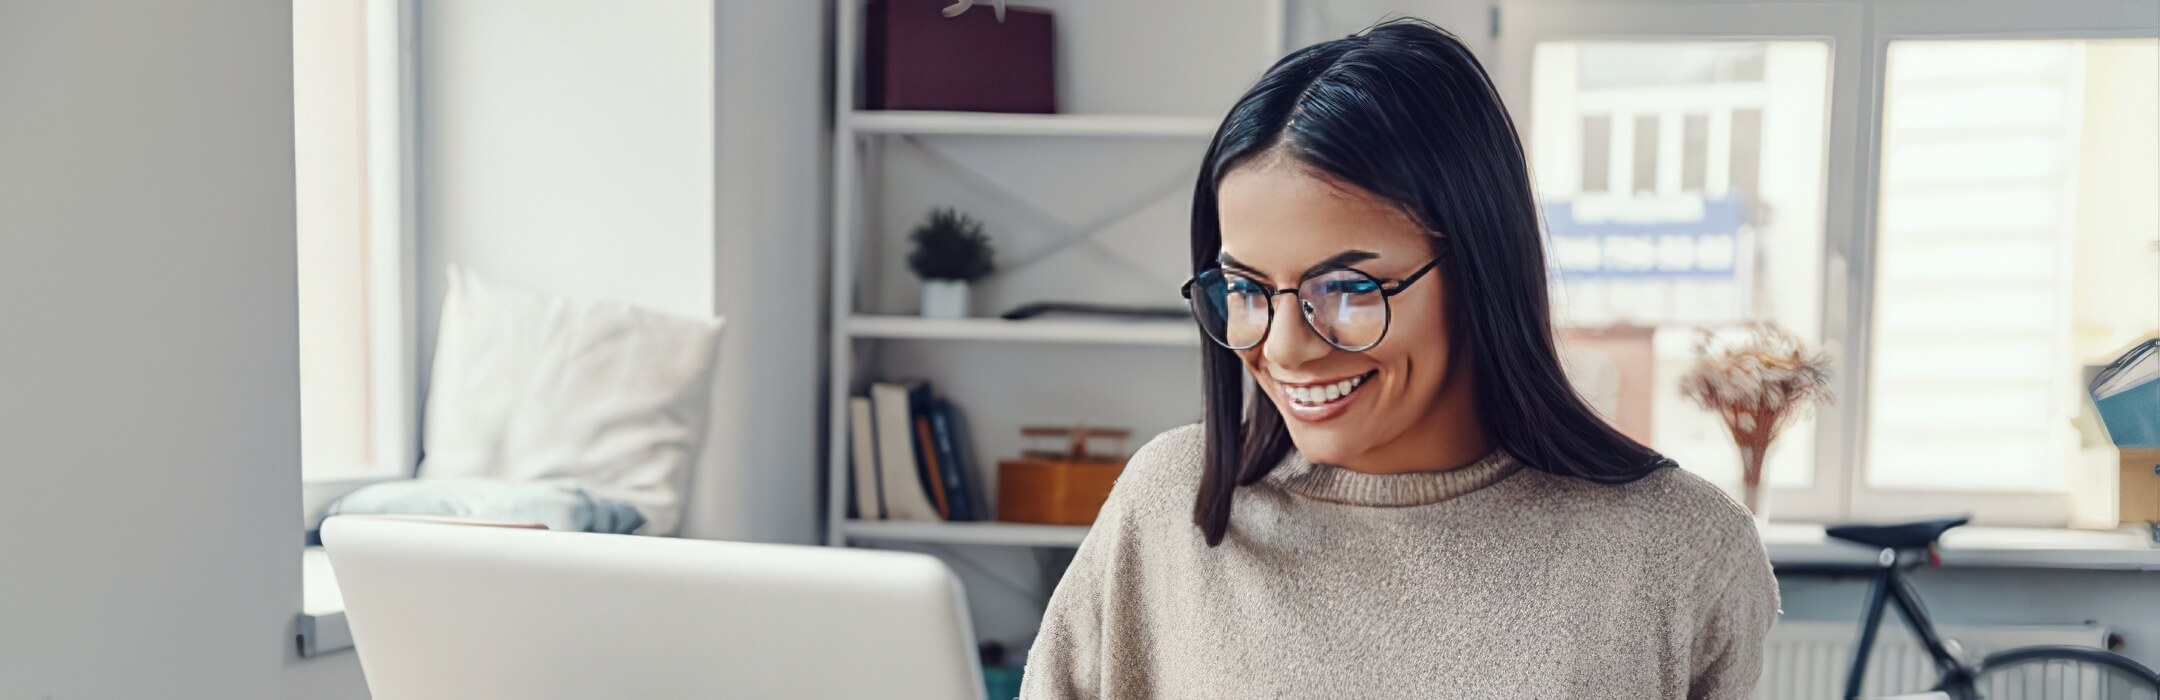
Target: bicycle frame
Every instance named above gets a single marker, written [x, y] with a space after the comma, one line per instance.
[1889, 587]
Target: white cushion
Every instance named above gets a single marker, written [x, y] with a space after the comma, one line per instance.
[532, 387]
[486, 356]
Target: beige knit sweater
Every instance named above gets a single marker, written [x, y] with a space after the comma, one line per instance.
[1485, 581]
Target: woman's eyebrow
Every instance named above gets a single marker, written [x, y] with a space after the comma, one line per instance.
[1340, 260]
[1333, 262]
[1226, 261]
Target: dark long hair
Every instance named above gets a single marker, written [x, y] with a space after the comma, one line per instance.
[1404, 111]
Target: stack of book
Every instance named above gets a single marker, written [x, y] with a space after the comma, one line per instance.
[911, 456]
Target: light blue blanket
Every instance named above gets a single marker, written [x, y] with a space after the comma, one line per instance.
[561, 506]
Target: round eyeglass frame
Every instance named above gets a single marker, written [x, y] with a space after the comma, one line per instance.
[1305, 308]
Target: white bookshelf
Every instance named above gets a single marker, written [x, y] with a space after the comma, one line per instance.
[1108, 79]
[986, 124]
[1166, 333]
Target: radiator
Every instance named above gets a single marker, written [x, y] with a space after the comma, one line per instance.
[1807, 660]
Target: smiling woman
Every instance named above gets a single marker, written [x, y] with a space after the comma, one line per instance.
[1279, 215]
[1416, 503]
[1331, 161]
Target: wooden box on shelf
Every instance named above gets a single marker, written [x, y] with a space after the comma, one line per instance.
[2140, 485]
[1059, 487]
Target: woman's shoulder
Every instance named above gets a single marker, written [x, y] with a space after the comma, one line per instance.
[1680, 498]
[1164, 473]
[1698, 526]
[1671, 509]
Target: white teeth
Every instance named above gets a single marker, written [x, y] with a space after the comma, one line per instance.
[1315, 395]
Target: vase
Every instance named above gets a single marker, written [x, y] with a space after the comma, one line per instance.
[1754, 493]
[944, 298]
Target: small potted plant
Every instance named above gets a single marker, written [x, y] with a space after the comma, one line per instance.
[950, 253]
[1758, 382]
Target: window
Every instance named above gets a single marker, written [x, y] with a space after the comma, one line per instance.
[2015, 244]
[1957, 204]
[1682, 188]
[356, 417]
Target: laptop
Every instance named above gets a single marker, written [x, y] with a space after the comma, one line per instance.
[469, 612]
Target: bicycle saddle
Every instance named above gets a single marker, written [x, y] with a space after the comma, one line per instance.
[1913, 535]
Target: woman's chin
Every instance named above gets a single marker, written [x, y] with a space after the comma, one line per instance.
[1324, 444]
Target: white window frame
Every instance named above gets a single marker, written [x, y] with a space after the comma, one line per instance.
[1973, 19]
[393, 238]
[1523, 24]
[393, 404]
[1859, 34]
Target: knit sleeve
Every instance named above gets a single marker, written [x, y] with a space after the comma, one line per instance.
[1067, 657]
[1728, 648]
[1073, 651]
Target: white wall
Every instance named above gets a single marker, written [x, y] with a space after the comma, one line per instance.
[149, 402]
[665, 154]
[762, 469]
[1313, 21]
[566, 145]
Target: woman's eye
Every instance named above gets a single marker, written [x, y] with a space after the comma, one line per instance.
[1245, 286]
[1350, 287]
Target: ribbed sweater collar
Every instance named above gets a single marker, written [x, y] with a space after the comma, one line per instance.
[1335, 484]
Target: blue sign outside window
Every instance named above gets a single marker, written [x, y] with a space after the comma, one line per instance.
[1703, 248]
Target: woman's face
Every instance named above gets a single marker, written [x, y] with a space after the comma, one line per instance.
[1407, 410]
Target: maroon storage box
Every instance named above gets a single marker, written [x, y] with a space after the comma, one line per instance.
[916, 58]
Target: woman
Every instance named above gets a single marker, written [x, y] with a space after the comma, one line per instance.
[1419, 505]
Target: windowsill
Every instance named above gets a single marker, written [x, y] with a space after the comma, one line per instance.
[323, 629]
[322, 607]
[2127, 549]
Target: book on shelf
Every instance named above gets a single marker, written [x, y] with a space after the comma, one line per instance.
[926, 456]
[957, 467]
[862, 439]
[899, 474]
[920, 459]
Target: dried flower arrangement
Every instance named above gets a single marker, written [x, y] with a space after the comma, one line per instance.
[1759, 382]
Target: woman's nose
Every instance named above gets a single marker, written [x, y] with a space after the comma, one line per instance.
[1292, 342]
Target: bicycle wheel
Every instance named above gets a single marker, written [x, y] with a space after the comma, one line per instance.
[2064, 673]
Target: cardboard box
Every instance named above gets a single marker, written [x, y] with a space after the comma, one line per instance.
[1054, 491]
[2139, 487]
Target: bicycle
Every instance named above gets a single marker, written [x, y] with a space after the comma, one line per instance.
[2026, 673]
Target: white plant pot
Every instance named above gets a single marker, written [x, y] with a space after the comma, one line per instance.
[944, 299]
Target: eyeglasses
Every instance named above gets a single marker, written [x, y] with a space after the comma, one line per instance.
[1345, 307]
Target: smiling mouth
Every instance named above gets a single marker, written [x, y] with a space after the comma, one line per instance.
[1324, 394]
